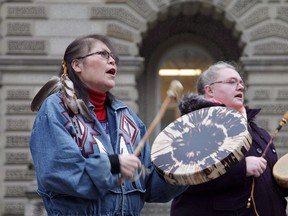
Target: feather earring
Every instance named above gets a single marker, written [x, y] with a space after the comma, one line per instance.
[49, 88]
[69, 96]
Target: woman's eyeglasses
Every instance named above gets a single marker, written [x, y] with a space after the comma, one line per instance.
[232, 82]
[104, 54]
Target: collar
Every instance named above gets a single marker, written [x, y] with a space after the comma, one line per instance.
[251, 113]
[97, 99]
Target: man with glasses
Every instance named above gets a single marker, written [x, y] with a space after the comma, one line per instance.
[248, 188]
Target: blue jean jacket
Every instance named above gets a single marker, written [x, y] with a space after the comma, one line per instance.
[73, 169]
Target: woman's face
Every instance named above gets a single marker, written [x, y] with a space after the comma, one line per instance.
[97, 71]
[228, 88]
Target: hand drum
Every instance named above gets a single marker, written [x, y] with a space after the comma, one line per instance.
[201, 146]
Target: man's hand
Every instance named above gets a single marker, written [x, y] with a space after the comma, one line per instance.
[255, 166]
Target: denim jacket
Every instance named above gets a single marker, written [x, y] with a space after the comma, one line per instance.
[70, 156]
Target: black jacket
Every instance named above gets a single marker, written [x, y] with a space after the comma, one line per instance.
[228, 194]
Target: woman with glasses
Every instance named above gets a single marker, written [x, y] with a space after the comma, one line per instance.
[248, 188]
[83, 140]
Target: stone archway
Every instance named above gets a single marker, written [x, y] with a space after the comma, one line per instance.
[215, 38]
[258, 31]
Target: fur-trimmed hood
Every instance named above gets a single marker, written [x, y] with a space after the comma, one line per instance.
[191, 102]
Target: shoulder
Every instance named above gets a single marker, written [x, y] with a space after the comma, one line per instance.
[52, 102]
[117, 104]
[54, 98]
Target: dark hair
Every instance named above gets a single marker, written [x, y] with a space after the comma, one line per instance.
[80, 47]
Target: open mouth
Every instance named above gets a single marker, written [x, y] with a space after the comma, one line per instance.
[239, 96]
[111, 71]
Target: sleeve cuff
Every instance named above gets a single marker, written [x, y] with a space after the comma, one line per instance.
[115, 164]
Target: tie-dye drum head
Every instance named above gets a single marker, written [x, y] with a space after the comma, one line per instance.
[201, 146]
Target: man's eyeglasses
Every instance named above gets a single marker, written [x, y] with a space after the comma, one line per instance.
[232, 82]
[104, 54]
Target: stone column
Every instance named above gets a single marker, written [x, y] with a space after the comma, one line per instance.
[268, 90]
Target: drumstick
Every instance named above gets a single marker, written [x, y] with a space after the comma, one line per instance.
[281, 124]
[173, 93]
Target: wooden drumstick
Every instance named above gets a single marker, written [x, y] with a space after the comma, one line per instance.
[173, 93]
[281, 124]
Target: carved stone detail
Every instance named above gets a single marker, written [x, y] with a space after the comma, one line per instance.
[159, 3]
[17, 141]
[223, 3]
[261, 94]
[26, 12]
[116, 1]
[281, 141]
[272, 108]
[242, 6]
[118, 31]
[140, 6]
[121, 14]
[255, 17]
[26, 46]
[282, 13]
[271, 48]
[19, 29]
[269, 30]
[122, 49]
[18, 158]
[19, 175]
[18, 94]
[14, 208]
[19, 0]
[282, 94]
[18, 109]
[15, 190]
[264, 123]
[35, 207]
[18, 125]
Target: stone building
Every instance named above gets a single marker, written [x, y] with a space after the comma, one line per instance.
[149, 35]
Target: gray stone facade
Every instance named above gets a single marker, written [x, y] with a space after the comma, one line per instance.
[35, 33]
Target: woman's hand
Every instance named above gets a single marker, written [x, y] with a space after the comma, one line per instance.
[129, 163]
[255, 166]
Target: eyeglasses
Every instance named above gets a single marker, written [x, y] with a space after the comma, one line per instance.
[104, 54]
[232, 82]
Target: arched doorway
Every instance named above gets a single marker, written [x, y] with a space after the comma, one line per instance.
[181, 41]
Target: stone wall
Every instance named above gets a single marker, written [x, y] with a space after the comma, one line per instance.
[35, 33]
